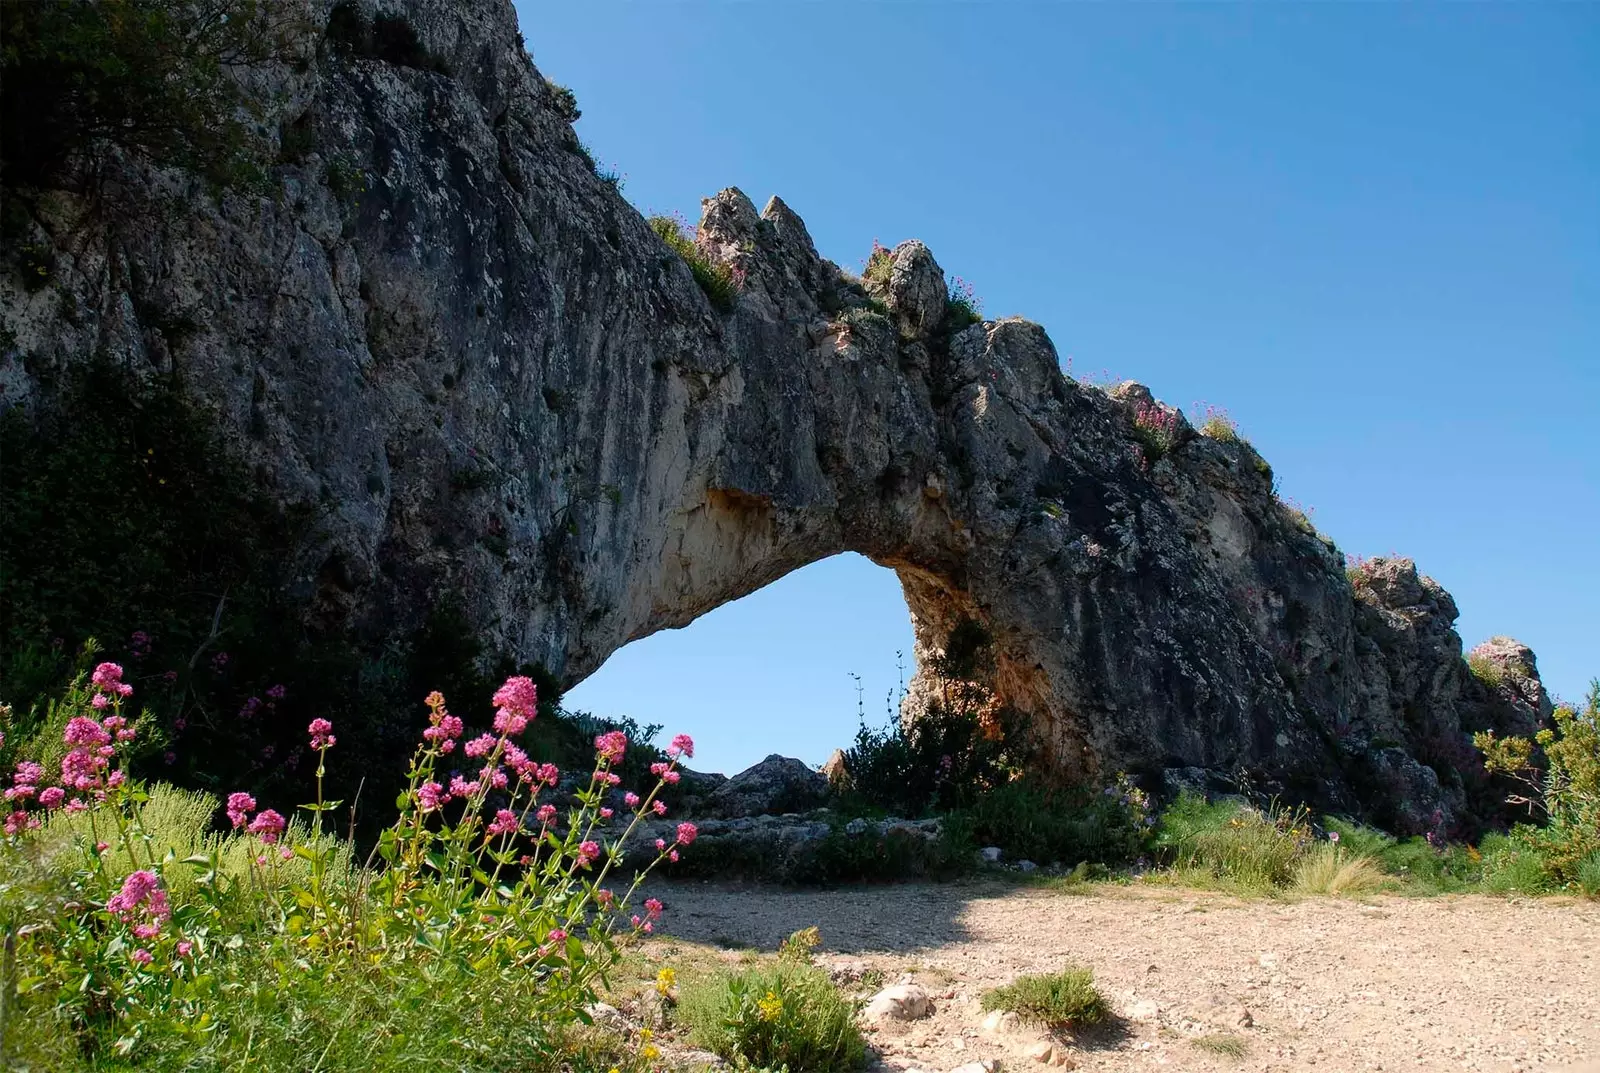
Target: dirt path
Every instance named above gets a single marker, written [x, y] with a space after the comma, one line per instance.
[1450, 983]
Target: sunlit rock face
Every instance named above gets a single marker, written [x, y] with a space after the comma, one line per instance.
[491, 381]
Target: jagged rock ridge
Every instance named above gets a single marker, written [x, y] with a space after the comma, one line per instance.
[493, 380]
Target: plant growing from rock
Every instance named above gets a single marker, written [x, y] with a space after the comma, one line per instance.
[963, 307]
[1218, 425]
[720, 282]
[1156, 430]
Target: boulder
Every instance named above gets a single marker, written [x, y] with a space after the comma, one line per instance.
[898, 1002]
[777, 785]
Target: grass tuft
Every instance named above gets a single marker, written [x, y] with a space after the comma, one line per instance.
[1227, 1045]
[1062, 1000]
[1328, 869]
[783, 1015]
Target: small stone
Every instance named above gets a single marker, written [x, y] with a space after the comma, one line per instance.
[902, 1002]
[1144, 1010]
[1243, 1018]
[1026, 866]
[1001, 1023]
[991, 854]
[1050, 1053]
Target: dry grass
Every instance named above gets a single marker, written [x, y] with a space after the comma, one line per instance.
[1229, 1046]
[1329, 870]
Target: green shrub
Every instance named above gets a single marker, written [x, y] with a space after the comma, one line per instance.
[1588, 874]
[1564, 791]
[719, 281]
[1062, 1000]
[879, 266]
[1156, 430]
[1047, 824]
[783, 1015]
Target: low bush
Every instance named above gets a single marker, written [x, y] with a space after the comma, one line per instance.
[1047, 824]
[1062, 1000]
[476, 941]
[783, 1015]
[963, 307]
[720, 282]
[1156, 430]
[1563, 790]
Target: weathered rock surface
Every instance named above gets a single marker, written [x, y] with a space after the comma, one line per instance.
[485, 376]
[776, 785]
[898, 1002]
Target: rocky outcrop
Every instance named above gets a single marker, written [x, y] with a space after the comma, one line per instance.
[480, 371]
[777, 785]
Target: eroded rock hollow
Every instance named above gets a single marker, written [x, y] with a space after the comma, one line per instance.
[493, 380]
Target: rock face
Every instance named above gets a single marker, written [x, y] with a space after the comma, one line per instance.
[777, 785]
[484, 375]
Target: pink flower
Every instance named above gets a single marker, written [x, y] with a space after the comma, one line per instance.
[185, 948]
[20, 793]
[652, 908]
[661, 845]
[107, 676]
[630, 799]
[240, 805]
[670, 777]
[84, 732]
[556, 934]
[610, 778]
[29, 773]
[100, 700]
[687, 833]
[659, 807]
[546, 814]
[480, 746]
[321, 732]
[142, 956]
[611, 746]
[588, 851]
[504, 823]
[20, 821]
[136, 890]
[276, 692]
[682, 745]
[603, 896]
[267, 826]
[549, 774]
[431, 796]
[1333, 836]
[146, 931]
[605, 813]
[285, 853]
[516, 703]
[658, 769]
[460, 787]
[52, 796]
[77, 805]
[672, 856]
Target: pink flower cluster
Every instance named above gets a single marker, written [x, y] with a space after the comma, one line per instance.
[516, 704]
[444, 728]
[611, 746]
[141, 890]
[321, 732]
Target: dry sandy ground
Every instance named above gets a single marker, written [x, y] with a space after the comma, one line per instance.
[1387, 983]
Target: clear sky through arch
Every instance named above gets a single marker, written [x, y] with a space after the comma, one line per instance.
[1370, 232]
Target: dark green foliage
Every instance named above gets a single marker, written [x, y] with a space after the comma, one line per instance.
[146, 76]
[1061, 1000]
[961, 745]
[717, 280]
[840, 857]
[389, 38]
[787, 1015]
[1047, 824]
[565, 103]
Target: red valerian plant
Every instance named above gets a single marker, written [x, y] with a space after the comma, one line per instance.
[482, 875]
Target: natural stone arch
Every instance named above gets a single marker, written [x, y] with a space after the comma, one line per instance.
[491, 381]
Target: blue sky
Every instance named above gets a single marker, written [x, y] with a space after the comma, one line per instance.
[1370, 232]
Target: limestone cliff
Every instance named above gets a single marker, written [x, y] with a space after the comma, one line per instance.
[490, 378]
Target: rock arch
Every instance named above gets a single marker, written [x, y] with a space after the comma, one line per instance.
[494, 380]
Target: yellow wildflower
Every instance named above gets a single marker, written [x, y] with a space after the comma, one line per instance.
[666, 979]
[770, 1006]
